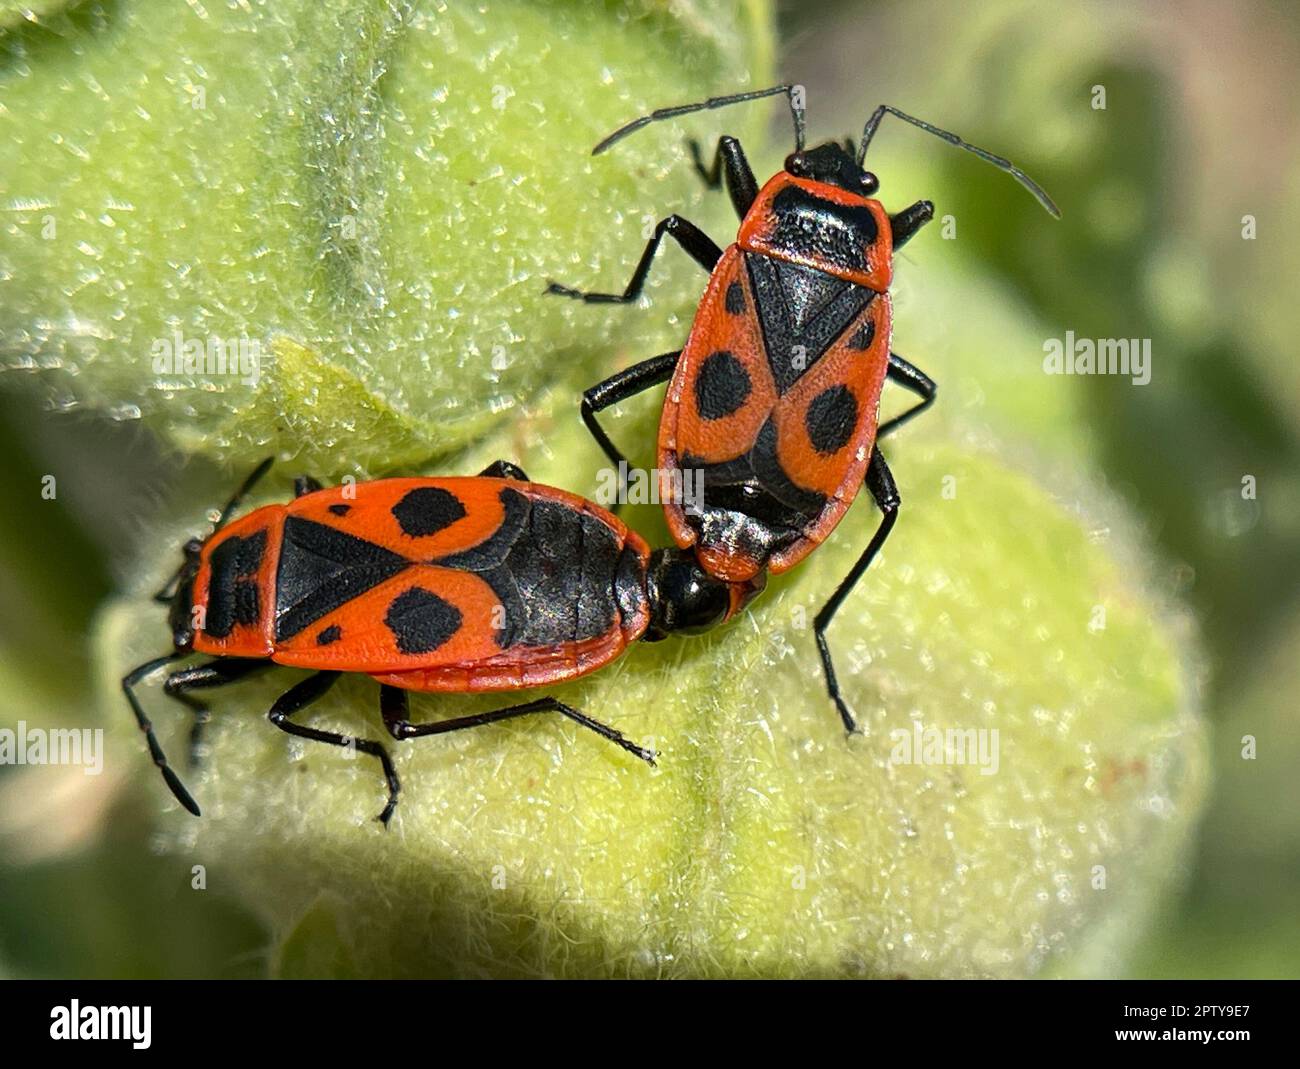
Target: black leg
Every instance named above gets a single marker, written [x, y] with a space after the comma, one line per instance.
[911, 378]
[907, 222]
[881, 484]
[503, 469]
[302, 695]
[869, 131]
[796, 113]
[741, 185]
[216, 673]
[690, 237]
[394, 704]
[305, 484]
[129, 682]
[618, 388]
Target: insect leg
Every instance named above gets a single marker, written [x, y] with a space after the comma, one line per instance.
[305, 484]
[881, 484]
[302, 695]
[741, 185]
[395, 705]
[129, 682]
[216, 673]
[907, 222]
[618, 388]
[911, 378]
[695, 241]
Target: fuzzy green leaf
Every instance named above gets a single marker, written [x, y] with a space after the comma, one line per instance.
[380, 189]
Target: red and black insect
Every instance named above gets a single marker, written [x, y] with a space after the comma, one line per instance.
[460, 584]
[775, 398]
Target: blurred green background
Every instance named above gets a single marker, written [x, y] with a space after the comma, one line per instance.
[1199, 130]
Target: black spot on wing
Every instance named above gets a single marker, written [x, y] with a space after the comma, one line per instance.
[421, 621]
[320, 569]
[830, 419]
[340, 510]
[735, 298]
[233, 598]
[428, 510]
[722, 385]
[329, 635]
[864, 335]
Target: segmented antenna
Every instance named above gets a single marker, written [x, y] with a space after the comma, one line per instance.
[254, 476]
[793, 92]
[869, 131]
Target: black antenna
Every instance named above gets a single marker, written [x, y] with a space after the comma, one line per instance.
[793, 92]
[168, 591]
[242, 492]
[869, 131]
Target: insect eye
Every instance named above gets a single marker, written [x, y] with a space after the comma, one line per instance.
[797, 164]
[869, 182]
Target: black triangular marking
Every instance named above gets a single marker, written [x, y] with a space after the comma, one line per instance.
[322, 568]
[801, 311]
[807, 292]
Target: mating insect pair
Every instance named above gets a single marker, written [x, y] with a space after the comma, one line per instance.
[493, 583]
